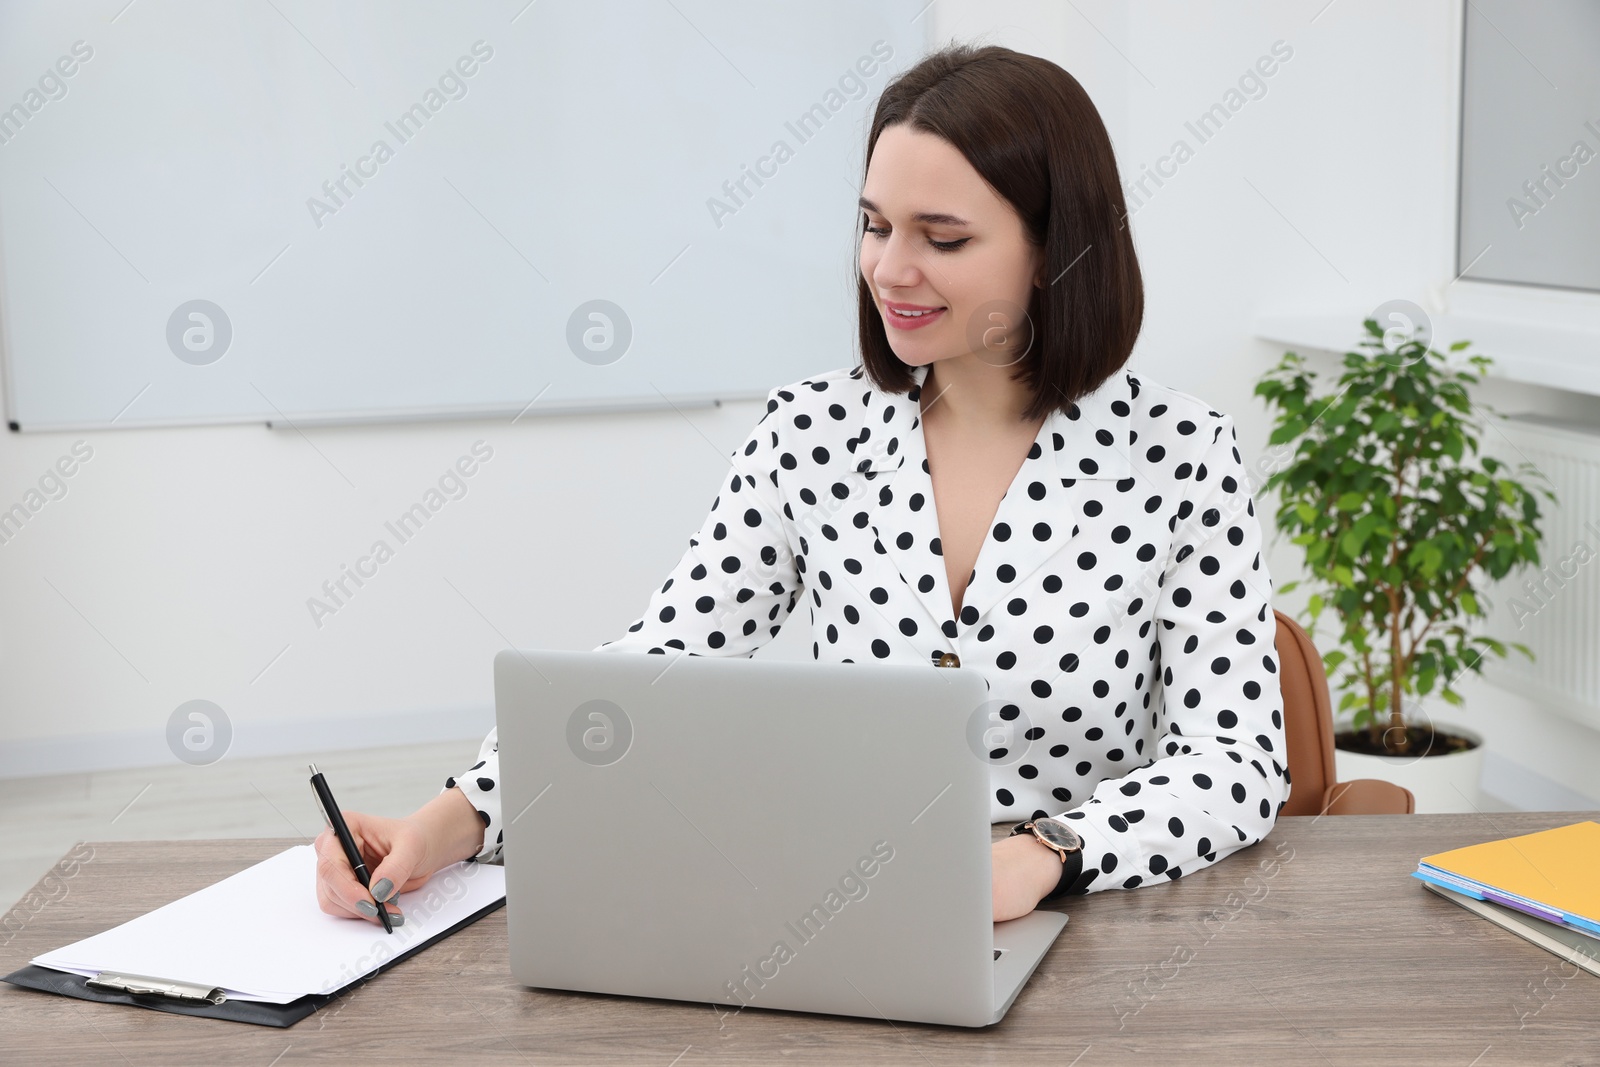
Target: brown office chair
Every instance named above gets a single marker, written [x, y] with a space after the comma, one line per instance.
[1308, 724]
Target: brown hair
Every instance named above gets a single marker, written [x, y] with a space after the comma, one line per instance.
[1028, 128]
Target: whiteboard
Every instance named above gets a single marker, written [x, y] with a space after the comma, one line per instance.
[266, 210]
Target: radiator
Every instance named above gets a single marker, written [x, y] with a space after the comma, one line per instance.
[1555, 609]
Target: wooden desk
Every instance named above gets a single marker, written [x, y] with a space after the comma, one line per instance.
[1313, 947]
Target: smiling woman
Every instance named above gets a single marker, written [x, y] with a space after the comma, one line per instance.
[1045, 257]
[990, 490]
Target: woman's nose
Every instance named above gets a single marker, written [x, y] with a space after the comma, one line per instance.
[898, 266]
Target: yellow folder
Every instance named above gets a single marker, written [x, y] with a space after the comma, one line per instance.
[1557, 868]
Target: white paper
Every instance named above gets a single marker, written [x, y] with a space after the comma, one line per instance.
[259, 935]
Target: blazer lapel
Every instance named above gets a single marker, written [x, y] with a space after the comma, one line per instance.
[1074, 456]
[907, 523]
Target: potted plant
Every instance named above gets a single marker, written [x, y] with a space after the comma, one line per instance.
[1402, 532]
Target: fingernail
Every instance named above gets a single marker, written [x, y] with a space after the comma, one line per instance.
[396, 919]
[367, 908]
[383, 889]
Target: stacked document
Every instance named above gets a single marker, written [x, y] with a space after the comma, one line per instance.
[1544, 887]
[259, 935]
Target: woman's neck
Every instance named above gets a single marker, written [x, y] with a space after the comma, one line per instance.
[971, 394]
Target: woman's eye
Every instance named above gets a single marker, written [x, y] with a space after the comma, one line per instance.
[882, 232]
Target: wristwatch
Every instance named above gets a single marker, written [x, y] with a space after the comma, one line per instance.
[1065, 842]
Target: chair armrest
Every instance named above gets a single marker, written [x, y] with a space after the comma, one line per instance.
[1367, 796]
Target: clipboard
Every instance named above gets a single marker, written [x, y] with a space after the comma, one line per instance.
[190, 957]
[185, 998]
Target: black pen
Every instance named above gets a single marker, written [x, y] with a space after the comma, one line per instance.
[330, 810]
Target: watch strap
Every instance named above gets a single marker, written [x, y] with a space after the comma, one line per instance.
[1071, 869]
[1071, 866]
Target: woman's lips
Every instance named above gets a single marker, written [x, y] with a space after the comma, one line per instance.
[911, 322]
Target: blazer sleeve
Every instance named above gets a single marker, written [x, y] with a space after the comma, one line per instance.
[729, 594]
[1220, 775]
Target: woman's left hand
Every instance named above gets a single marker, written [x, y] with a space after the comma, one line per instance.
[1025, 870]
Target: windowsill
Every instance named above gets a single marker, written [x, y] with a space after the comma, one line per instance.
[1560, 355]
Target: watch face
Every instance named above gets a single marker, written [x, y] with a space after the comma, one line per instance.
[1059, 833]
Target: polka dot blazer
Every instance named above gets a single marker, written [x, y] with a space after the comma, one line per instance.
[1119, 607]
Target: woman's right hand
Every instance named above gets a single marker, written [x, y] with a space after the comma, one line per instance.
[402, 854]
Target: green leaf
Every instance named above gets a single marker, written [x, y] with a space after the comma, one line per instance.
[1287, 432]
[1351, 501]
[1350, 543]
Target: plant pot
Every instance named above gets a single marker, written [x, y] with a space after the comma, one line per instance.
[1440, 782]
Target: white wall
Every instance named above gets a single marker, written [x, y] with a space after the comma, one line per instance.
[187, 555]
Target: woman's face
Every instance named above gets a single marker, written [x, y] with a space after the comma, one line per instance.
[939, 239]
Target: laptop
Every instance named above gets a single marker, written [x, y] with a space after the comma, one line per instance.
[752, 835]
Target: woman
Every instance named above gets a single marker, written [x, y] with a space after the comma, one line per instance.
[989, 491]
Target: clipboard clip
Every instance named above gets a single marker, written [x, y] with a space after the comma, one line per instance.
[163, 987]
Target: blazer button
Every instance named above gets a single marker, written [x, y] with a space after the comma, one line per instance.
[949, 659]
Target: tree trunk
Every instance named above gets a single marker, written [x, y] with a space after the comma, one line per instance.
[1396, 740]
